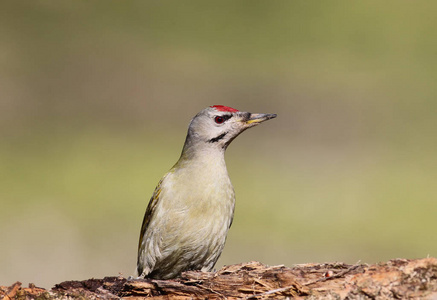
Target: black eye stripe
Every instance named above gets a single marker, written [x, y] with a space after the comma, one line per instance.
[227, 117]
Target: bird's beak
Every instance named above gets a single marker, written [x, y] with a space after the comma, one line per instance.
[255, 119]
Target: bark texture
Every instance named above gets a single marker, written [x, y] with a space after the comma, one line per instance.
[395, 279]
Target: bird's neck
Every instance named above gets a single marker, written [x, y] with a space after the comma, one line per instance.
[200, 154]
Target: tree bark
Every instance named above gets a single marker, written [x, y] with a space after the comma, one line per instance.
[395, 279]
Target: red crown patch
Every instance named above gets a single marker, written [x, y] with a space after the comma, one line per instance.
[224, 108]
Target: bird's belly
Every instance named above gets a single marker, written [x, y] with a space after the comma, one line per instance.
[191, 225]
[191, 250]
[197, 241]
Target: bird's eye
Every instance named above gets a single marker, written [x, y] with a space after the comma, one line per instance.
[219, 119]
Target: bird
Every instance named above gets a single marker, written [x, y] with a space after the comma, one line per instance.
[192, 208]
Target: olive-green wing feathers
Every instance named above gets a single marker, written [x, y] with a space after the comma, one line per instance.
[150, 211]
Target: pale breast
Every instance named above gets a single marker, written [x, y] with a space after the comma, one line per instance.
[193, 217]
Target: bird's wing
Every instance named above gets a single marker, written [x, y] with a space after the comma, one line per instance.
[150, 211]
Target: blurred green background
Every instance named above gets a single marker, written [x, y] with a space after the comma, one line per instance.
[95, 99]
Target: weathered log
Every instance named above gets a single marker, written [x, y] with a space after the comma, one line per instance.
[395, 279]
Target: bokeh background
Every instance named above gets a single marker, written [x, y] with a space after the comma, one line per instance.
[95, 99]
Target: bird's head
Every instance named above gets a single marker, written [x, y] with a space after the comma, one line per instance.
[217, 126]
